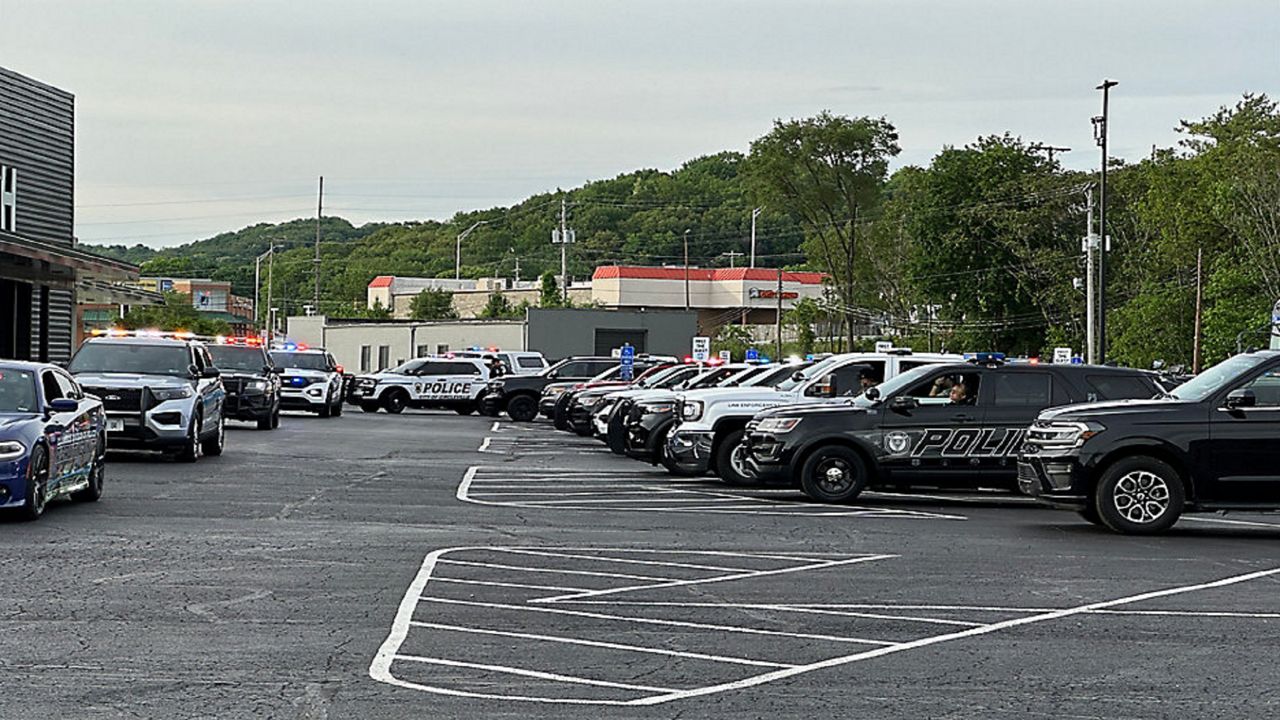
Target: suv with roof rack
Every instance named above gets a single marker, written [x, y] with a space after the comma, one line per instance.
[161, 391]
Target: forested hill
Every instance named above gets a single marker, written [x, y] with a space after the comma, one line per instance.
[639, 217]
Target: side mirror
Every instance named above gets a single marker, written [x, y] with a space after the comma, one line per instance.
[797, 375]
[276, 370]
[193, 371]
[553, 374]
[210, 372]
[871, 393]
[63, 405]
[1241, 398]
[903, 403]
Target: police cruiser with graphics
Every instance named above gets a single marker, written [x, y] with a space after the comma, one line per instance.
[311, 379]
[710, 423]
[252, 382]
[161, 391]
[451, 383]
[958, 424]
[1212, 444]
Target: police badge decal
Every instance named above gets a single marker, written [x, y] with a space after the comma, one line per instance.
[897, 442]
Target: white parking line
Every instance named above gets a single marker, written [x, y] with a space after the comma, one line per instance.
[532, 673]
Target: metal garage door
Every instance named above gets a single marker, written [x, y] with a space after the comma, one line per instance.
[607, 340]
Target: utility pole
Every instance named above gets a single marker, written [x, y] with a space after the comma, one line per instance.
[1100, 132]
[315, 299]
[686, 269]
[271, 318]
[257, 282]
[754, 214]
[1195, 343]
[1090, 278]
[563, 237]
[457, 253]
[732, 255]
[1049, 150]
[778, 355]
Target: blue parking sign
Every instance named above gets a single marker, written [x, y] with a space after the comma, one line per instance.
[752, 354]
[628, 356]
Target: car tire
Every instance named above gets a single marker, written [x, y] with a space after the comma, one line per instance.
[370, 407]
[730, 464]
[833, 474]
[337, 408]
[190, 451]
[213, 446]
[395, 401]
[1139, 495]
[37, 485]
[97, 476]
[560, 418]
[522, 408]
[267, 422]
[275, 418]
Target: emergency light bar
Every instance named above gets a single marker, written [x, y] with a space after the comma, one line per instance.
[121, 332]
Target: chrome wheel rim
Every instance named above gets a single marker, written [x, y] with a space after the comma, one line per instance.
[40, 486]
[1141, 497]
[834, 475]
[738, 463]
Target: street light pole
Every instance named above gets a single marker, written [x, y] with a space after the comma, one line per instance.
[754, 214]
[1100, 128]
[457, 255]
[257, 281]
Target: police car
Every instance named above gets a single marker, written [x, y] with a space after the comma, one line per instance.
[956, 424]
[452, 383]
[1212, 444]
[710, 423]
[514, 362]
[311, 379]
[251, 380]
[162, 391]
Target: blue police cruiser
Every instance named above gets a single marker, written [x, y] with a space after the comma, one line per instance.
[52, 438]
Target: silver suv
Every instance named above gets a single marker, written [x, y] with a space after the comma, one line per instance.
[160, 392]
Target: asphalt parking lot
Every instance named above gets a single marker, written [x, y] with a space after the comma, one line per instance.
[432, 565]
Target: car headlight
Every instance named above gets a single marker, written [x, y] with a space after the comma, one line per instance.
[657, 407]
[257, 386]
[12, 450]
[1063, 434]
[777, 426]
[552, 392]
[172, 393]
[692, 410]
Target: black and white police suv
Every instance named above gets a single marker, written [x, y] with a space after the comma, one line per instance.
[954, 424]
[311, 379]
[430, 382]
[251, 381]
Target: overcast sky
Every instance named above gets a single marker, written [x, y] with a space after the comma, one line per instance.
[199, 116]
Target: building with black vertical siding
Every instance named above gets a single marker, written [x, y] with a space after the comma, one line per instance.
[41, 269]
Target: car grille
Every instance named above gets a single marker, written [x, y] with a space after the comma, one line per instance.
[233, 386]
[119, 399]
[1026, 473]
[296, 381]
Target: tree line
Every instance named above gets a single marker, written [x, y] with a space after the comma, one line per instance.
[980, 249]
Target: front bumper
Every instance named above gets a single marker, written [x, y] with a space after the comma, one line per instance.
[308, 398]
[248, 407]
[493, 402]
[1057, 480]
[13, 481]
[581, 418]
[690, 449]
[770, 457]
[644, 435]
[164, 425]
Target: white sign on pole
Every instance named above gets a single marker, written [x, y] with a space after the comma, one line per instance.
[726, 356]
[1062, 356]
[883, 346]
[701, 349]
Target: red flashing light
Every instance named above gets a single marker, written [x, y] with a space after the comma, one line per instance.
[1034, 360]
[688, 358]
[339, 369]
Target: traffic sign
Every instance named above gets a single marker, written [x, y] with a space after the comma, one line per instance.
[628, 356]
[726, 356]
[883, 346]
[1061, 355]
[753, 354]
[701, 348]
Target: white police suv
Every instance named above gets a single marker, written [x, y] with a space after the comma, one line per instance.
[310, 379]
[452, 383]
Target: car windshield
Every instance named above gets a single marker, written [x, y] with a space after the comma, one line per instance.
[300, 360]
[743, 377]
[1210, 381]
[231, 357]
[818, 370]
[99, 357]
[17, 391]
[896, 384]
[658, 377]
[774, 376]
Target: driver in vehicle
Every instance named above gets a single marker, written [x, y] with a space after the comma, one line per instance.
[960, 394]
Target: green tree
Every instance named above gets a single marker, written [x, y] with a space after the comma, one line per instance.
[803, 317]
[499, 307]
[828, 170]
[176, 313]
[433, 304]
[549, 294]
[734, 338]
